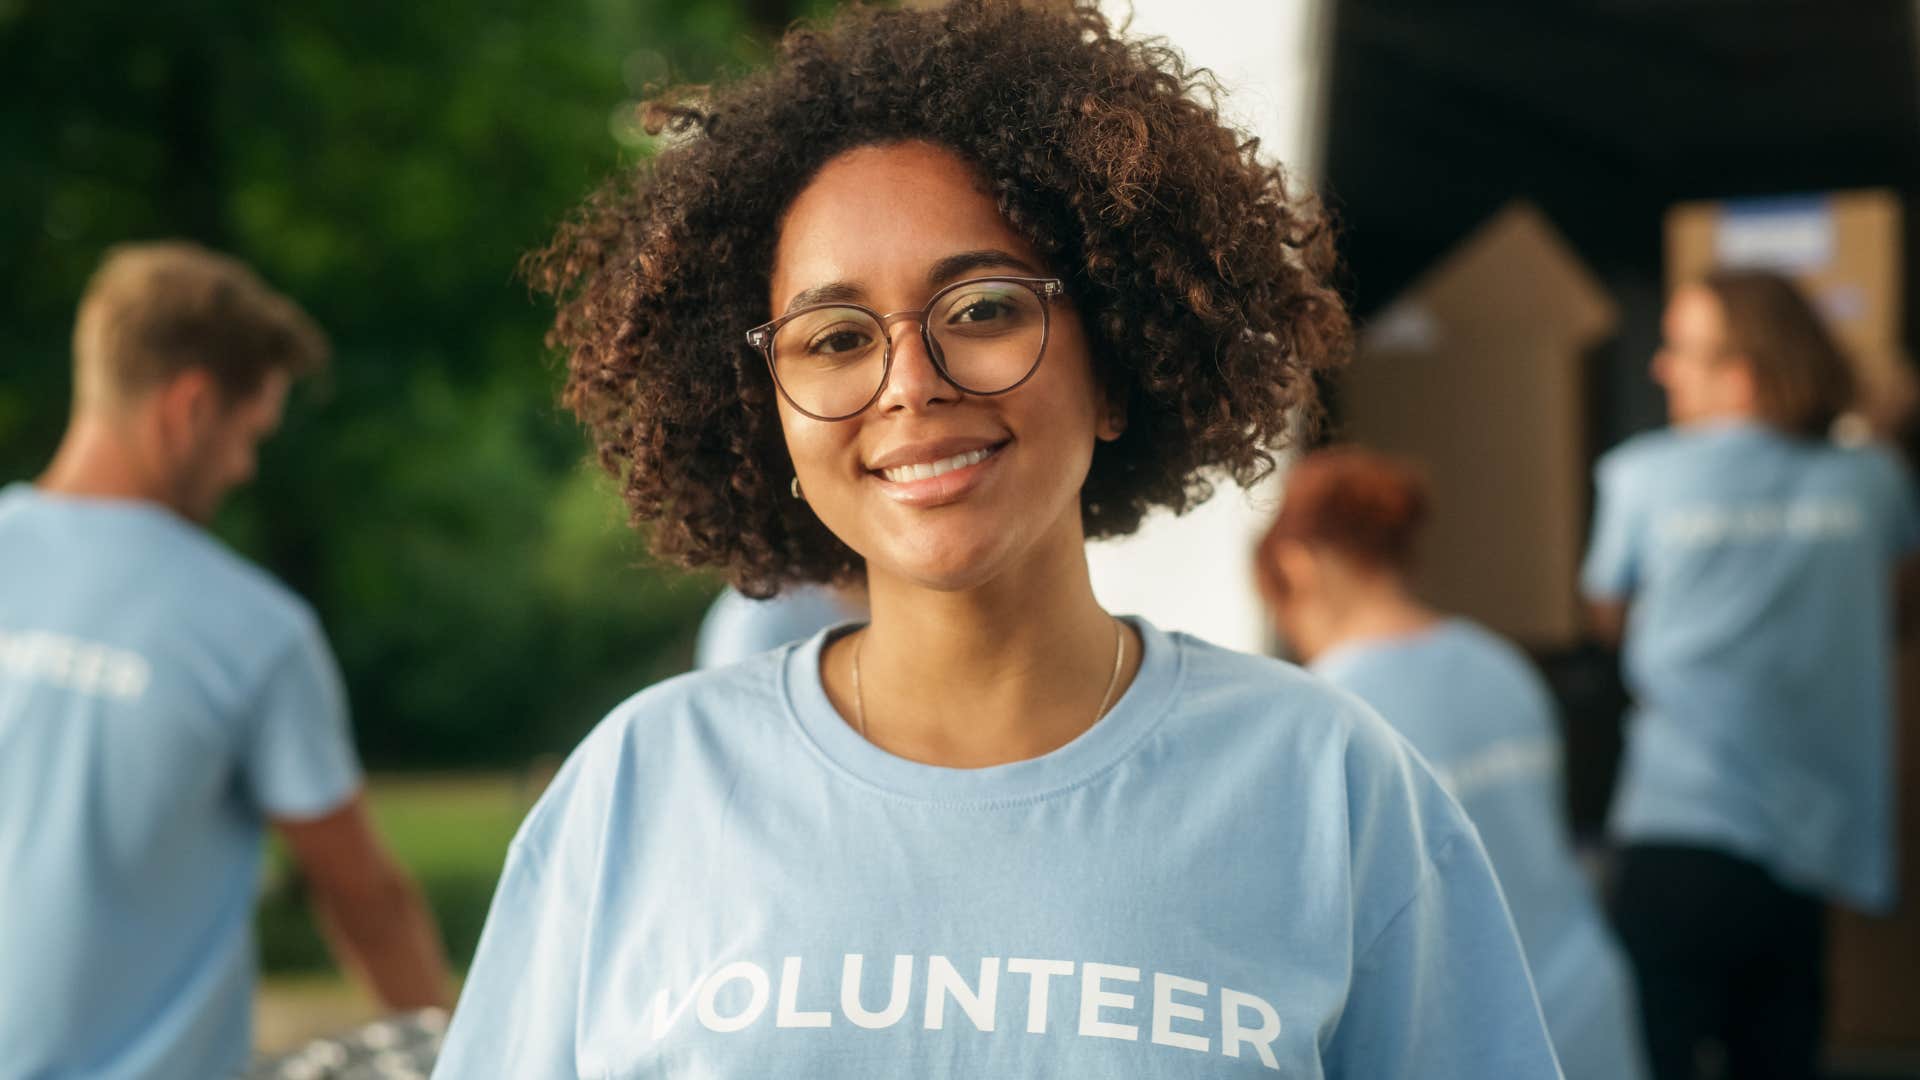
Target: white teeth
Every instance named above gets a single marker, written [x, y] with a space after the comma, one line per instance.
[900, 473]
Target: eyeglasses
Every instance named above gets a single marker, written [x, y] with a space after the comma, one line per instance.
[985, 336]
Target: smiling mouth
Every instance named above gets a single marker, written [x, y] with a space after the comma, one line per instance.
[900, 474]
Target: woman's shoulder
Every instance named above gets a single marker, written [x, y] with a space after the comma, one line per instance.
[1876, 463]
[1493, 656]
[654, 728]
[1315, 745]
[1648, 450]
[1272, 707]
[1211, 673]
[746, 688]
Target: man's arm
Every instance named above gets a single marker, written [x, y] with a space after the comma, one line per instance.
[369, 907]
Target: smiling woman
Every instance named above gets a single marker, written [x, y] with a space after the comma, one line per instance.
[922, 308]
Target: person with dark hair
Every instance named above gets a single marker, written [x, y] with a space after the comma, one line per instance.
[925, 305]
[1750, 561]
[162, 702]
[1335, 570]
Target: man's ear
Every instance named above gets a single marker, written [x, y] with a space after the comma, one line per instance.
[185, 406]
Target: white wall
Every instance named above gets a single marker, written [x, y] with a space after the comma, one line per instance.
[1193, 573]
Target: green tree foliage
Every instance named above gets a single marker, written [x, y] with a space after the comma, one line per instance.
[386, 164]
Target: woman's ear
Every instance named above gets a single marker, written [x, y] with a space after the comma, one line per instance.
[1299, 572]
[1739, 383]
[1113, 416]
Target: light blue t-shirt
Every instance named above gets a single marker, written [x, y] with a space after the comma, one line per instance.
[1759, 639]
[737, 626]
[1238, 871]
[1485, 721]
[159, 699]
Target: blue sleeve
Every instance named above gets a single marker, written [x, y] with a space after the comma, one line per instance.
[300, 761]
[1612, 567]
[519, 1007]
[1442, 992]
[519, 1010]
[1898, 507]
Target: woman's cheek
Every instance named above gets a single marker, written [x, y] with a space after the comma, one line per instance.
[825, 461]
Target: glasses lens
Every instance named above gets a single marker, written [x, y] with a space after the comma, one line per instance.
[830, 360]
[988, 333]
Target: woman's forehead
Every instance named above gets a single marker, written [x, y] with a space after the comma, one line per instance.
[1694, 312]
[880, 217]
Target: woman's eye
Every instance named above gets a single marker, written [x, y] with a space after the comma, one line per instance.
[981, 309]
[837, 341]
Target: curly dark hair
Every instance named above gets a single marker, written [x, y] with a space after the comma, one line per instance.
[1201, 277]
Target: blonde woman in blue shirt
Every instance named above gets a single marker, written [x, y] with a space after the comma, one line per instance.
[1751, 563]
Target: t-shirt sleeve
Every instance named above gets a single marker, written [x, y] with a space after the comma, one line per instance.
[1612, 567]
[1899, 509]
[1442, 992]
[518, 1011]
[300, 762]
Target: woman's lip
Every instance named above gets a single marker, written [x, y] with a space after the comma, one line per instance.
[928, 451]
[945, 488]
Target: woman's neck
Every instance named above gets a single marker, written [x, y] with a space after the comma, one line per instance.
[1010, 670]
[1383, 612]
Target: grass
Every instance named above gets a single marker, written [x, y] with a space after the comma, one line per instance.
[450, 825]
[451, 832]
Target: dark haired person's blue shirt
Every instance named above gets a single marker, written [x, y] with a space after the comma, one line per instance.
[737, 626]
[1484, 719]
[160, 699]
[1238, 871]
[1759, 571]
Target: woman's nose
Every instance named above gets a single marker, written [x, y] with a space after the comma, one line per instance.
[914, 382]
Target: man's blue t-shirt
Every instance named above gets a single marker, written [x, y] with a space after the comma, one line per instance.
[159, 700]
[737, 626]
[1485, 721]
[1238, 871]
[1759, 640]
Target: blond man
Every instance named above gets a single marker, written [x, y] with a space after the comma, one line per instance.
[162, 701]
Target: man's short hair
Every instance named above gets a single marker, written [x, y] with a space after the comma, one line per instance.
[154, 310]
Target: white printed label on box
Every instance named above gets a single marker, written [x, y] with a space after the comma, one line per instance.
[1788, 234]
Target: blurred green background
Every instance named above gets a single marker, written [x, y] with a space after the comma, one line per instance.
[386, 165]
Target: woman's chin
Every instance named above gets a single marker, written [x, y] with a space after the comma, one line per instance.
[972, 546]
[946, 568]
[945, 579]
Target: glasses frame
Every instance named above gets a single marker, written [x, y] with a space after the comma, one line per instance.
[1046, 288]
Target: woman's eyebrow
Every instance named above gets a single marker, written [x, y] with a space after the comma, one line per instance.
[833, 292]
[953, 266]
[947, 269]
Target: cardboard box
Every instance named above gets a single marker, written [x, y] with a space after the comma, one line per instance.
[1844, 249]
[1477, 373]
[1874, 969]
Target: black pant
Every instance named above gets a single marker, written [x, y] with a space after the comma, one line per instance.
[1723, 953]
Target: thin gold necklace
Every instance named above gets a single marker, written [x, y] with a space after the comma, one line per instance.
[1113, 681]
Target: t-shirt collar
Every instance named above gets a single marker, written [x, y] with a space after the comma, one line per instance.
[1099, 748]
